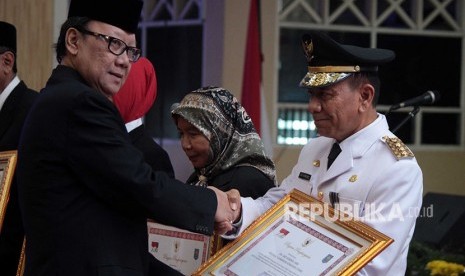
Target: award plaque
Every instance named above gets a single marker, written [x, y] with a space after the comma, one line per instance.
[183, 250]
[299, 236]
[7, 168]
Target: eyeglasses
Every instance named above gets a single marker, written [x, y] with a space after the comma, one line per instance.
[115, 45]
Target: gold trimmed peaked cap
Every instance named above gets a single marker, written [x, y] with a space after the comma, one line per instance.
[124, 14]
[330, 62]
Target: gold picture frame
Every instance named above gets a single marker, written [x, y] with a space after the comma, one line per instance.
[216, 243]
[22, 260]
[300, 235]
[7, 168]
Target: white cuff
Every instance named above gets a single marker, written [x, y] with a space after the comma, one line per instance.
[249, 213]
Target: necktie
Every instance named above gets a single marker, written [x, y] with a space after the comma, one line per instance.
[335, 150]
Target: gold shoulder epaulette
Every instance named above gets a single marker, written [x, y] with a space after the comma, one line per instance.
[398, 148]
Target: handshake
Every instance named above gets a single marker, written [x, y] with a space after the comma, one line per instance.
[228, 210]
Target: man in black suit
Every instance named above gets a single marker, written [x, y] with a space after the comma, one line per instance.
[15, 101]
[85, 191]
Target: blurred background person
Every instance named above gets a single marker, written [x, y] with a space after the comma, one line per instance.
[133, 101]
[15, 100]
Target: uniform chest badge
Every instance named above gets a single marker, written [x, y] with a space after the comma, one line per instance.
[353, 178]
[316, 163]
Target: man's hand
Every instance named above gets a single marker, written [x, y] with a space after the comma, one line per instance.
[224, 212]
[234, 198]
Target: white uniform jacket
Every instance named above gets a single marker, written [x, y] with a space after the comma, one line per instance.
[367, 174]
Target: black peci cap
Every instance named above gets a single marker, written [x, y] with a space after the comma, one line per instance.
[8, 36]
[124, 14]
[330, 62]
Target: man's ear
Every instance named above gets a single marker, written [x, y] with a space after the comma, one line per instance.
[367, 94]
[8, 60]
[72, 39]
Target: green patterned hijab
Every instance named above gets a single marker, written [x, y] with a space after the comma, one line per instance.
[232, 135]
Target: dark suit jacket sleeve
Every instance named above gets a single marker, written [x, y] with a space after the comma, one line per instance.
[249, 181]
[101, 153]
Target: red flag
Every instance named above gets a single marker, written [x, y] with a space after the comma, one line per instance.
[250, 97]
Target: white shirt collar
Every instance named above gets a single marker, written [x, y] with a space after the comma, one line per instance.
[133, 124]
[7, 91]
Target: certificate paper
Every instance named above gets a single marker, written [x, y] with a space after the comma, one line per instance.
[289, 248]
[289, 240]
[183, 250]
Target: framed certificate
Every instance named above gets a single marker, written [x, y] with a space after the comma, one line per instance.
[183, 250]
[299, 236]
[7, 168]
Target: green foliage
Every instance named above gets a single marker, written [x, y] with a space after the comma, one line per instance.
[420, 254]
